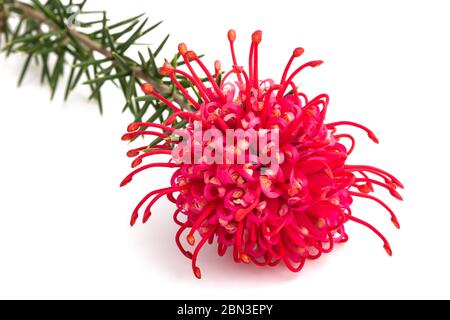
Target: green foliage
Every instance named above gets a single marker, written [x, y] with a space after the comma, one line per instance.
[93, 52]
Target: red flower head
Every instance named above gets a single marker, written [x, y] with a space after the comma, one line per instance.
[289, 209]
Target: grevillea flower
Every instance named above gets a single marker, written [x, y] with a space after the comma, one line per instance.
[265, 216]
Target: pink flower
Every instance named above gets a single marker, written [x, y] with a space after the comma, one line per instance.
[265, 216]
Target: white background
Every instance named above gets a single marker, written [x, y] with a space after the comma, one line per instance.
[64, 229]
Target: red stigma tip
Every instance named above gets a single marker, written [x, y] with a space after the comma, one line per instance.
[132, 154]
[127, 137]
[147, 88]
[182, 48]
[217, 66]
[257, 36]
[231, 35]
[125, 181]
[388, 249]
[373, 137]
[136, 163]
[298, 52]
[191, 240]
[133, 220]
[191, 55]
[396, 195]
[166, 69]
[245, 259]
[133, 127]
[317, 63]
[197, 273]
[365, 188]
[146, 217]
[395, 223]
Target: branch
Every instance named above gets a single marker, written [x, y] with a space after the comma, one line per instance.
[103, 44]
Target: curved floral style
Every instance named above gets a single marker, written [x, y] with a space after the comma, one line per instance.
[292, 214]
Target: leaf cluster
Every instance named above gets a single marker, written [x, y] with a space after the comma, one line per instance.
[93, 52]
